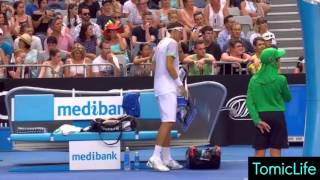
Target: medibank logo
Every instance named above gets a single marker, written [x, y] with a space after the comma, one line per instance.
[95, 156]
[91, 108]
[87, 107]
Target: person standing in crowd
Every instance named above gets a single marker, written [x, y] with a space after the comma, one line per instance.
[266, 96]
[200, 63]
[167, 85]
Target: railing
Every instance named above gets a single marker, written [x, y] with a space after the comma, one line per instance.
[27, 70]
[144, 69]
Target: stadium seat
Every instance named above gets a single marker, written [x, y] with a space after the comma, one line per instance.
[246, 23]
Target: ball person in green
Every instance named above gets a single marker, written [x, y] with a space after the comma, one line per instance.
[266, 96]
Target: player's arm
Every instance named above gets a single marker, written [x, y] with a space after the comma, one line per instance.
[174, 75]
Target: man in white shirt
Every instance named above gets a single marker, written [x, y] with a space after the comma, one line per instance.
[106, 56]
[84, 13]
[167, 86]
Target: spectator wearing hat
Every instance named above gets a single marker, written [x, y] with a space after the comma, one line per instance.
[261, 27]
[36, 41]
[269, 39]
[84, 13]
[32, 55]
[266, 96]
[118, 44]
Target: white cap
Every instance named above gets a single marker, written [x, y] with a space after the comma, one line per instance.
[268, 36]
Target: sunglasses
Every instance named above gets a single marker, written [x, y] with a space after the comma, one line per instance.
[86, 14]
[116, 17]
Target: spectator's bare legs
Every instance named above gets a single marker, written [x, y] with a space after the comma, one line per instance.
[260, 153]
[275, 152]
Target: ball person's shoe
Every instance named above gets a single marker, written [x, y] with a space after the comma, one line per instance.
[172, 164]
[157, 164]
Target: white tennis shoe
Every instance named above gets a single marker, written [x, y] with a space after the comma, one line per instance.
[172, 164]
[157, 164]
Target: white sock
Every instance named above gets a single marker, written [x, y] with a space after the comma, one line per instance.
[166, 154]
[157, 152]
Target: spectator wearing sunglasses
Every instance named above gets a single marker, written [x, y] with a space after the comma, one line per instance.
[84, 13]
[93, 6]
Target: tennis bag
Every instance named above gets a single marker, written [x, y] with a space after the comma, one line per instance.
[203, 158]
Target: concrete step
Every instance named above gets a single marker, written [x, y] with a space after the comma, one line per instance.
[283, 2]
[287, 33]
[283, 16]
[289, 59]
[289, 42]
[284, 7]
[284, 24]
[293, 51]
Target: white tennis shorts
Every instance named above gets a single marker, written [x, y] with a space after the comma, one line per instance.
[168, 107]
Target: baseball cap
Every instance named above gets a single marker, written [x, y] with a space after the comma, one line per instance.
[267, 36]
[269, 55]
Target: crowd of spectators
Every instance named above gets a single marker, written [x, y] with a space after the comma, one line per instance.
[94, 38]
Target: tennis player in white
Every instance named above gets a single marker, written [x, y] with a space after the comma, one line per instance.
[167, 86]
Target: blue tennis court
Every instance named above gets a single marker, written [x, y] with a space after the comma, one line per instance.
[233, 166]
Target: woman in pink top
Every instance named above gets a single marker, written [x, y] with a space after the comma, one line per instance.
[186, 14]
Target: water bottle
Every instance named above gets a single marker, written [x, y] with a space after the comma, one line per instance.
[126, 160]
[136, 161]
